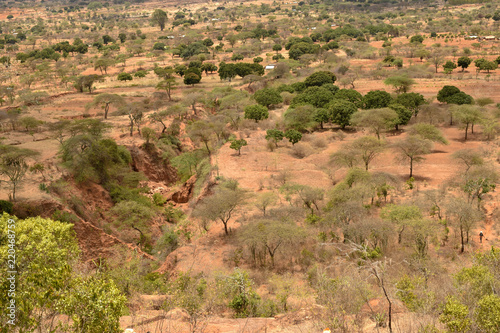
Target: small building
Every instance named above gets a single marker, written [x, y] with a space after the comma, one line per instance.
[489, 38]
[472, 37]
[270, 67]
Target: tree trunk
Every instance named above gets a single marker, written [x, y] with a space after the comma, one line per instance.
[400, 235]
[106, 109]
[462, 239]
[411, 167]
[466, 129]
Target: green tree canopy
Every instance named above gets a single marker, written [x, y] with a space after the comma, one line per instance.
[159, 17]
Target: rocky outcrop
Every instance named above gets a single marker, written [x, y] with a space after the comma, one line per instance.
[184, 194]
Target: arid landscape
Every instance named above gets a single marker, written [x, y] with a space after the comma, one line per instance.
[256, 166]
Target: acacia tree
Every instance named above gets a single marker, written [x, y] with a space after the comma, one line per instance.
[375, 119]
[428, 131]
[412, 148]
[13, 165]
[202, 132]
[366, 147]
[465, 216]
[168, 84]
[106, 100]
[401, 83]
[469, 158]
[402, 216]
[221, 205]
[467, 115]
[159, 17]
[269, 236]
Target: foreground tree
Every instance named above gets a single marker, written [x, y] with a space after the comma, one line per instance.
[94, 304]
[45, 252]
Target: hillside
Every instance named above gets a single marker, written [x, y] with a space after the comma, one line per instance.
[250, 166]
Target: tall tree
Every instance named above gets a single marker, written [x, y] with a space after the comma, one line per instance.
[159, 17]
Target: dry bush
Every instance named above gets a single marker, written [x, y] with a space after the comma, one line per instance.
[320, 142]
[287, 97]
[338, 136]
[249, 124]
[267, 124]
[282, 177]
[301, 150]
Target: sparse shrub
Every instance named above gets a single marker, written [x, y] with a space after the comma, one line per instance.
[124, 77]
[158, 199]
[301, 150]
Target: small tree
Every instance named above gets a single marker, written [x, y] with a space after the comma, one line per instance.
[237, 145]
[412, 148]
[106, 100]
[465, 216]
[293, 136]
[464, 62]
[221, 205]
[125, 77]
[367, 148]
[467, 115]
[449, 66]
[38, 167]
[168, 85]
[446, 92]
[191, 79]
[411, 101]
[375, 119]
[275, 135]
[13, 165]
[455, 316]
[488, 313]
[148, 134]
[401, 83]
[428, 131]
[469, 158]
[256, 112]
